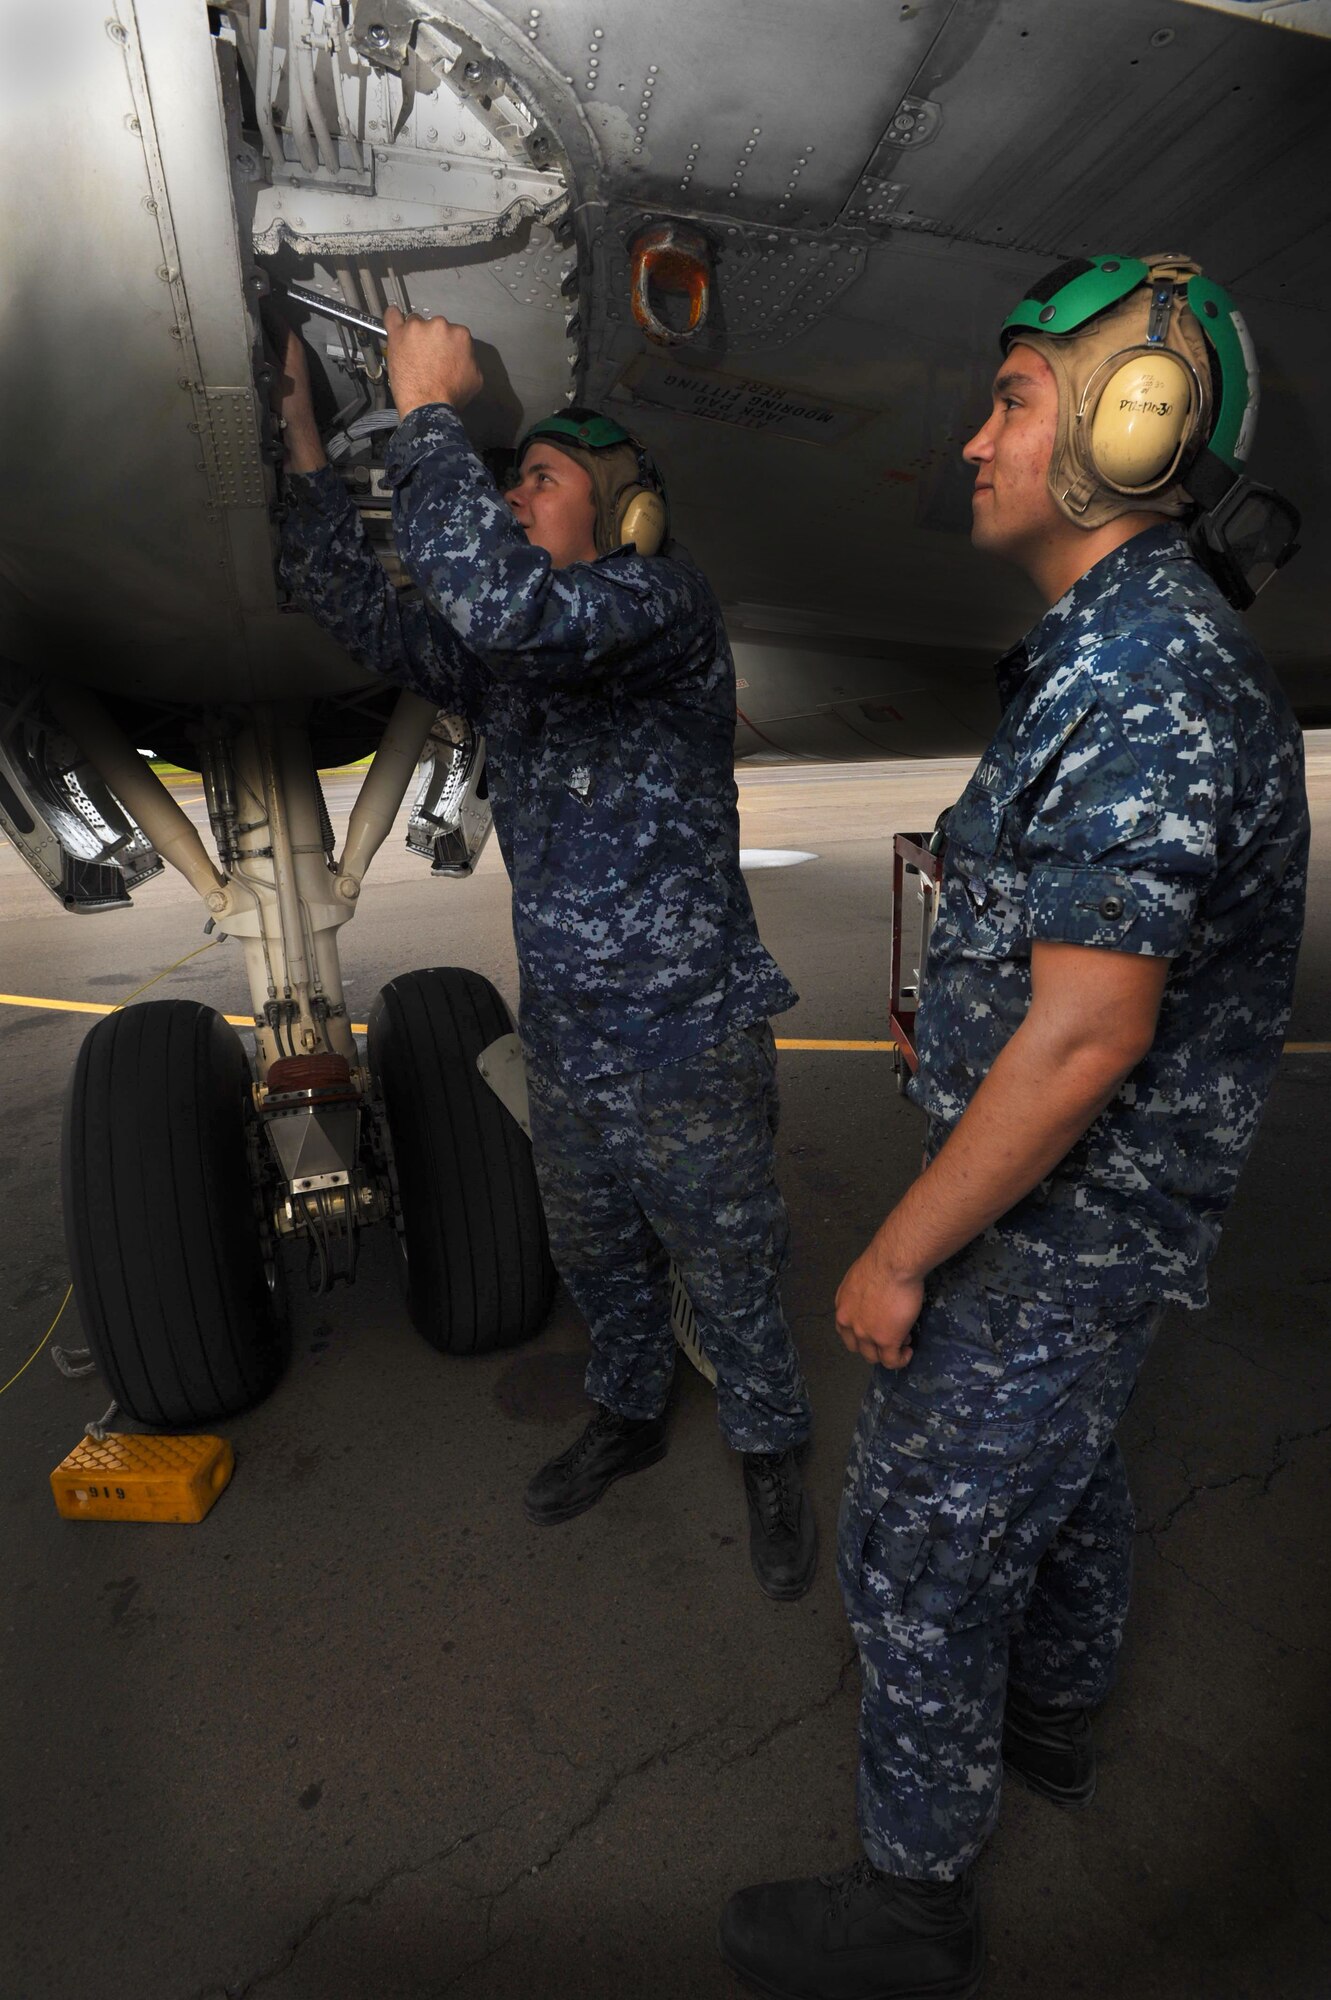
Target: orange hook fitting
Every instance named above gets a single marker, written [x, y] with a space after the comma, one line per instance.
[672, 259]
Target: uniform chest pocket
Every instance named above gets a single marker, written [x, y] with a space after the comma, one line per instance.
[984, 887]
[986, 877]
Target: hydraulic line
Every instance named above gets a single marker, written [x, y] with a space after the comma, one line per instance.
[297, 115]
[263, 92]
[302, 33]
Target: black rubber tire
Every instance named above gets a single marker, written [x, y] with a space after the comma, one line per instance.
[164, 1238]
[478, 1270]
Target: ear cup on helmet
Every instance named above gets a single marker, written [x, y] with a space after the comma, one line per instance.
[642, 519]
[1142, 419]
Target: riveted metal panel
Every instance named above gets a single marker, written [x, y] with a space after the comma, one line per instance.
[747, 112]
[230, 438]
[1151, 126]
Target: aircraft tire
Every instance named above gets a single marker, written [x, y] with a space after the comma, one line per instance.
[181, 1311]
[478, 1272]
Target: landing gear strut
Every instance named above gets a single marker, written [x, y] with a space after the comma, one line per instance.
[184, 1170]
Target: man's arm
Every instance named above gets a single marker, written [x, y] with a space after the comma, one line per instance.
[331, 570]
[1091, 1019]
[295, 407]
[632, 620]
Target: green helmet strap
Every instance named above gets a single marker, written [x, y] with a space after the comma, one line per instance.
[1068, 296]
[1225, 329]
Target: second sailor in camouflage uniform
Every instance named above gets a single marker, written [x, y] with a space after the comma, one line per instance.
[605, 688]
[1108, 985]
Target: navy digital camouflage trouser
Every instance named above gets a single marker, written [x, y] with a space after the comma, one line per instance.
[986, 1530]
[677, 1161]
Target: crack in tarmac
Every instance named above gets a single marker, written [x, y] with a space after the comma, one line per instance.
[606, 1796]
[1281, 1459]
[333, 1906]
[1249, 1625]
[600, 1804]
[1290, 1381]
[364, 1898]
[786, 1722]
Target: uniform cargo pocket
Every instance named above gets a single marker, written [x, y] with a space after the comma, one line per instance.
[929, 1550]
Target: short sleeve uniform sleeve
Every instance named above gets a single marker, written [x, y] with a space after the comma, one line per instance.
[1123, 840]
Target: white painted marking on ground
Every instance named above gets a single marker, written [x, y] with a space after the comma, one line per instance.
[773, 857]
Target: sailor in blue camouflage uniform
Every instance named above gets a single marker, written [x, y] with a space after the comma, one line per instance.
[600, 674]
[1108, 985]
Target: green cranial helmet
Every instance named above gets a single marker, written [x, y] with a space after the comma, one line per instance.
[629, 491]
[585, 428]
[1066, 300]
[1158, 395]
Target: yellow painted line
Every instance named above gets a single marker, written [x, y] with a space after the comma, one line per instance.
[796, 1044]
[360, 1027]
[100, 1007]
[61, 1006]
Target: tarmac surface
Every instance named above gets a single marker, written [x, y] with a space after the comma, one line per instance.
[365, 1734]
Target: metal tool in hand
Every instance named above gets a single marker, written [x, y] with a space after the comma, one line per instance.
[345, 315]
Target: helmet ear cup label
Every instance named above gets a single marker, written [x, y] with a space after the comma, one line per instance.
[1142, 419]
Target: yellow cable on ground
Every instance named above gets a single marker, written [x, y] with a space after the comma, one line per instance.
[162, 974]
[69, 1293]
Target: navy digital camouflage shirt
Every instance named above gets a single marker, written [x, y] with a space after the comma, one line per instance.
[1144, 793]
[606, 693]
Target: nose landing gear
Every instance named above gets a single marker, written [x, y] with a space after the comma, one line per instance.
[184, 1176]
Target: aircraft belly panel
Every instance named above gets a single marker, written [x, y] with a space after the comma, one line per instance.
[871, 517]
[116, 304]
[147, 565]
[875, 186]
[1155, 126]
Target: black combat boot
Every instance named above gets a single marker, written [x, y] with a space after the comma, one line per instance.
[610, 1447]
[856, 1935]
[1052, 1749]
[783, 1538]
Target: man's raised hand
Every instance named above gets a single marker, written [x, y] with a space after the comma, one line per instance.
[430, 361]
